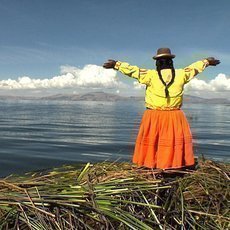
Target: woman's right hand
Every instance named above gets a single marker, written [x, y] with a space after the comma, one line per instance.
[109, 64]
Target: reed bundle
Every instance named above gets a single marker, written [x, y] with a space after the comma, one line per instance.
[117, 196]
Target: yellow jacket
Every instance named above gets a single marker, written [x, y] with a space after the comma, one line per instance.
[155, 90]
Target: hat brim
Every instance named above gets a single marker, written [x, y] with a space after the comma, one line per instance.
[164, 55]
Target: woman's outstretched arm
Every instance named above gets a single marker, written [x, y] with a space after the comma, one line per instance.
[142, 75]
[192, 70]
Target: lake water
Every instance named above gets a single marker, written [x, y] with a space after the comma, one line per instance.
[36, 135]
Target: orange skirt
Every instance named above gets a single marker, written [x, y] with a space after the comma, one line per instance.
[164, 140]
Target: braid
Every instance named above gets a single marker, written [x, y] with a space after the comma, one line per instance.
[165, 63]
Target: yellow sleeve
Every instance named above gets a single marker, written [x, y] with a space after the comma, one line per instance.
[142, 75]
[192, 70]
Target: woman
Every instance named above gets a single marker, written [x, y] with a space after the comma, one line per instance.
[164, 140]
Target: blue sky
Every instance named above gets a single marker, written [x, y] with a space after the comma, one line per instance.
[38, 37]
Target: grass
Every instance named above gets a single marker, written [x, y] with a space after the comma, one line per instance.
[117, 196]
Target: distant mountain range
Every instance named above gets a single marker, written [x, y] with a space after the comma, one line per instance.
[101, 96]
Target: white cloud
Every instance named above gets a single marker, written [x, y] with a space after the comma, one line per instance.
[91, 76]
[197, 84]
[138, 86]
[219, 84]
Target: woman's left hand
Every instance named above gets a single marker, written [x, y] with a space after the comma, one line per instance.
[212, 61]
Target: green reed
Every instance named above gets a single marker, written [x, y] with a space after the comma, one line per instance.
[117, 196]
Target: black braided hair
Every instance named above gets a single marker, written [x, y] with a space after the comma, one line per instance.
[165, 63]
